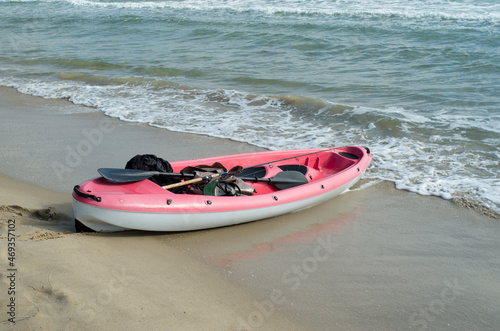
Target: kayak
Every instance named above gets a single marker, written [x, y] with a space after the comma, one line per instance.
[314, 175]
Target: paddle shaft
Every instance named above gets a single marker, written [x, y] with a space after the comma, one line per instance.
[192, 181]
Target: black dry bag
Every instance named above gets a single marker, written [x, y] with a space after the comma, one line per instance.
[150, 162]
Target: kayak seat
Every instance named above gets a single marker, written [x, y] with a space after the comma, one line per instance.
[294, 167]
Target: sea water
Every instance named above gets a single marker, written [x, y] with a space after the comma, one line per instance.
[418, 82]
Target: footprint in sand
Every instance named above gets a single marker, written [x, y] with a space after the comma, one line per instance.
[45, 214]
[47, 302]
[15, 210]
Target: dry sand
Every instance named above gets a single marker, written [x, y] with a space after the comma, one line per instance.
[371, 259]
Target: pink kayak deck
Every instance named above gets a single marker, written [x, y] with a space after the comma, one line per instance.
[327, 169]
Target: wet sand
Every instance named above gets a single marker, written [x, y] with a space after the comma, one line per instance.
[373, 258]
[366, 262]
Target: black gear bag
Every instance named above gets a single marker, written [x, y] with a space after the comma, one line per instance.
[150, 162]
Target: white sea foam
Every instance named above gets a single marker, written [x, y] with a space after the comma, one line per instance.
[485, 10]
[438, 9]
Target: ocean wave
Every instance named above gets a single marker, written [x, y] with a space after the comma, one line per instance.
[75, 63]
[436, 10]
[96, 65]
[482, 11]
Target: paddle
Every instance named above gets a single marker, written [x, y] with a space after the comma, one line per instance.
[292, 178]
[133, 175]
[282, 180]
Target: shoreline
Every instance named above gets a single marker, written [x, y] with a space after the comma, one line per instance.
[90, 138]
[383, 255]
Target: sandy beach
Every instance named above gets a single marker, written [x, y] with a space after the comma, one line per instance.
[374, 258]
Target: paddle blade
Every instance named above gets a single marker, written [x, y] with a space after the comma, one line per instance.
[288, 179]
[125, 175]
